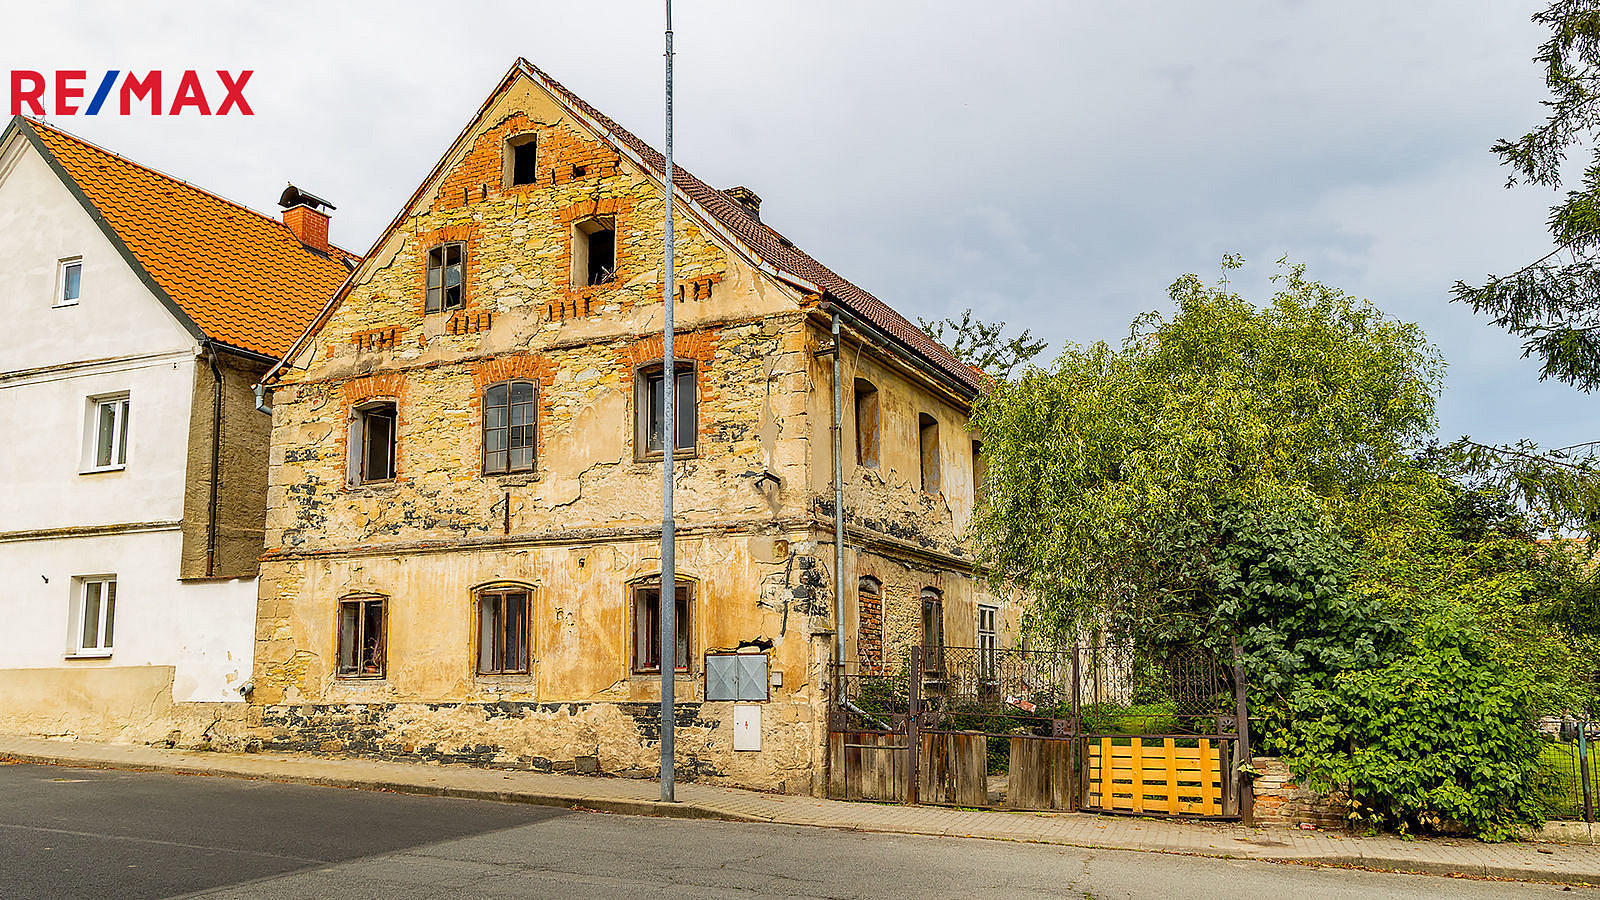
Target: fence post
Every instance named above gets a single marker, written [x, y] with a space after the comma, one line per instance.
[913, 715]
[1583, 766]
[1073, 761]
[1241, 754]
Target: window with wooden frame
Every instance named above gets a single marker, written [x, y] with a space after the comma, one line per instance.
[372, 442]
[647, 626]
[928, 450]
[932, 631]
[362, 641]
[594, 252]
[94, 615]
[650, 405]
[510, 414]
[505, 631]
[866, 423]
[446, 266]
[521, 159]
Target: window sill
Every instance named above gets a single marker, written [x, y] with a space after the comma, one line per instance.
[101, 470]
[88, 654]
[504, 679]
[655, 456]
[513, 478]
[655, 675]
[361, 679]
[64, 304]
[387, 484]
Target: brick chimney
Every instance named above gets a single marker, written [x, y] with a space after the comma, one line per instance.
[746, 199]
[304, 215]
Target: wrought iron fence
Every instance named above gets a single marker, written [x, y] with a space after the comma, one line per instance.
[1570, 792]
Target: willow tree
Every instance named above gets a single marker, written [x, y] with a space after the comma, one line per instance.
[1112, 473]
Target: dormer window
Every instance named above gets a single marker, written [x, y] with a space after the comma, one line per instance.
[445, 265]
[594, 252]
[522, 159]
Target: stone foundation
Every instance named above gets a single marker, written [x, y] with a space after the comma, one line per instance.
[1281, 801]
[611, 738]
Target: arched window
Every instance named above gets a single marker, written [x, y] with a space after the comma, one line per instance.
[363, 623]
[932, 631]
[505, 629]
[509, 419]
[866, 423]
[869, 626]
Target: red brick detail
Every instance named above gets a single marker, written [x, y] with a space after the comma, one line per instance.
[308, 225]
[869, 634]
[469, 322]
[386, 385]
[519, 366]
[375, 339]
[698, 289]
[700, 346]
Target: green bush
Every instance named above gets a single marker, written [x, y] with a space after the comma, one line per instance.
[1440, 736]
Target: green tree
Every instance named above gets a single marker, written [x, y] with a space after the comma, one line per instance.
[984, 345]
[1553, 303]
[1109, 470]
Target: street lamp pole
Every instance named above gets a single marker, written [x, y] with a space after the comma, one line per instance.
[667, 602]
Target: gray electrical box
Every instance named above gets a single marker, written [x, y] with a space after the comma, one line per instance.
[740, 677]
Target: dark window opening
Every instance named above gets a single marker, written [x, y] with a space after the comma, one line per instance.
[928, 446]
[374, 439]
[651, 401]
[445, 277]
[523, 151]
[866, 423]
[980, 472]
[509, 418]
[579, 171]
[647, 628]
[361, 644]
[503, 617]
[594, 253]
[932, 632]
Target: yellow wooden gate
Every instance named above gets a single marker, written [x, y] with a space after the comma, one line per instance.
[1154, 775]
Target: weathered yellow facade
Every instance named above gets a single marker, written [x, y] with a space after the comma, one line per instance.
[579, 532]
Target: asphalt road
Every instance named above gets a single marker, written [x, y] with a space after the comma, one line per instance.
[91, 833]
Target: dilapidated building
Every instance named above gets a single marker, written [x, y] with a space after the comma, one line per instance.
[465, 489]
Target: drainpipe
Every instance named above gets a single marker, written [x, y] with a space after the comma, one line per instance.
[216, 457]
[261, 398]
[838, 512]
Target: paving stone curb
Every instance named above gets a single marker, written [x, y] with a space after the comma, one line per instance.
[1005, 826]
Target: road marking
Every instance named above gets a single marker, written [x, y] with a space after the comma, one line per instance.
[140, 840]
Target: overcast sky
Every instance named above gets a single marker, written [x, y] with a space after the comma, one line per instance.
[1054, 164]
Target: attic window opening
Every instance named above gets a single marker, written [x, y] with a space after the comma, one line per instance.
[445, 265]
[579, 171]
[522, 159]
[866, 423]
[928, 447]
[594, 252]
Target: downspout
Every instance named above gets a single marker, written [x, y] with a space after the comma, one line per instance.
[216, 457]
[261, 399]
[838, 514]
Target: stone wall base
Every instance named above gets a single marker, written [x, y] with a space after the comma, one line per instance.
[1281, 801]
[587, 738]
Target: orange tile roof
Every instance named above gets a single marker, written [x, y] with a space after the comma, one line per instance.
[240, 277]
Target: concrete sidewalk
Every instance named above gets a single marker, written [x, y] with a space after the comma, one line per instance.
[1525, 861]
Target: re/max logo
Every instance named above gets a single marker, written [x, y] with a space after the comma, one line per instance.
[28, 89]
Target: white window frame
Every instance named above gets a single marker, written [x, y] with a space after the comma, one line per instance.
[117, 453]
[62, 266]
[988, 641]
[105, 614]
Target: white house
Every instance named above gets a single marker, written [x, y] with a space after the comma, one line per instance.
[133, 465]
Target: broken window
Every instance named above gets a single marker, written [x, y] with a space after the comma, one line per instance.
[108, 434]
[928, 444]
[594, 252]
[94, 615]
[932, 631]
[361, 643]
[372, 442]
[647, 627]
[522, 159]
[503, 630]
[866, 423]
[988, 641]
[651, 402]
[508, 427]
[69, 279]
[445, 267]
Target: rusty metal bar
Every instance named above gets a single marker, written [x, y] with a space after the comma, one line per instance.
[913, 722]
